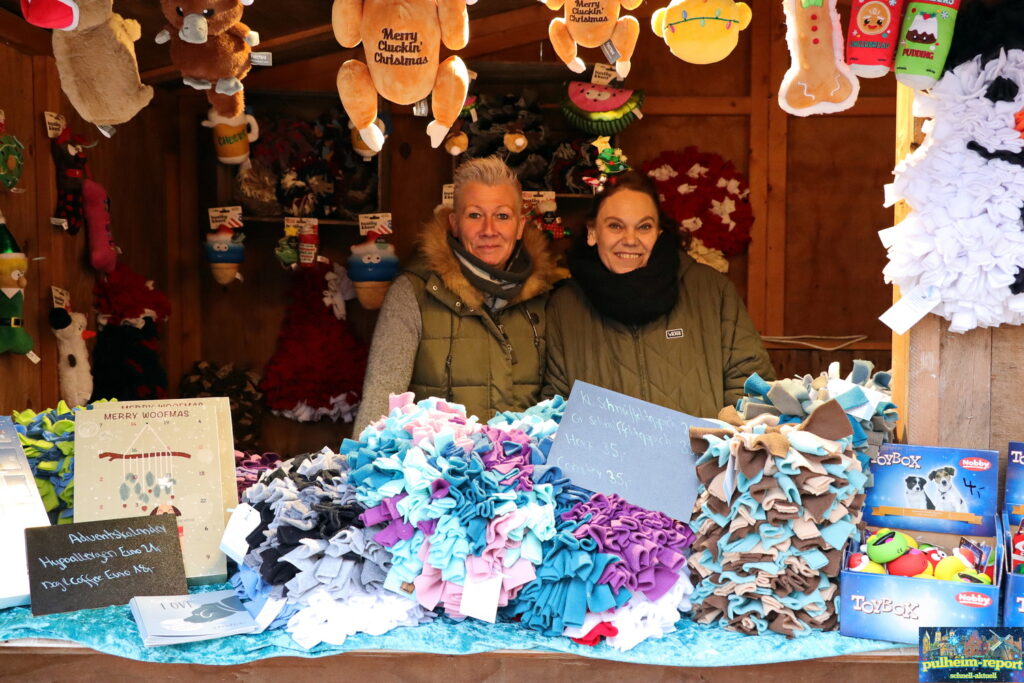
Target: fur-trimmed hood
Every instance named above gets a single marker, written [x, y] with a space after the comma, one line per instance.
[436, 255]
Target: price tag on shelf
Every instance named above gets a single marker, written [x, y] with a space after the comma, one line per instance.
[61, 297]
[261, 58]
[448, 195]
[375, 222]
[534, 198]
[54, 123]
[226, 217]
[603, 74]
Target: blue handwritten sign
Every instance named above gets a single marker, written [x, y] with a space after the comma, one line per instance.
[613, 443]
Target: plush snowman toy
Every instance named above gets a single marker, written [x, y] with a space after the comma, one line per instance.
[963, 243]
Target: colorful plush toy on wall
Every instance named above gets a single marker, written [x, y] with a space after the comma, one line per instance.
[818, 80]
[924, 42]
[12, 156]
[701, 31]
[72, 169]
[594, 23]
[317, 368]
[872, 36]
[102, 250]
[73, 368]
[232, 136]
[210, 46]
[401, 40]
[13, 266]
[372, 266]
[97, 66]
[601, 109]
[126, 358]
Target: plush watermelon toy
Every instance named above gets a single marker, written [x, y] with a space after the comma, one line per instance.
[601, 109]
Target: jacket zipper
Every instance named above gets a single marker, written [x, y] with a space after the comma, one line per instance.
[643, 361]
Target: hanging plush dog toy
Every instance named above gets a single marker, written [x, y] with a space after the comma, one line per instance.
[594, 23]
[210, 46]
[818, 80]
[402, 42]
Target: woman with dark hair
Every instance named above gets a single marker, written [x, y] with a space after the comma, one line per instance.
[643, 318]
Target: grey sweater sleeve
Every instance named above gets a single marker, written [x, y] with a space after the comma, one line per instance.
[392, 352]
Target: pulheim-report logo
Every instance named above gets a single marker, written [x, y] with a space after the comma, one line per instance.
[972, 653]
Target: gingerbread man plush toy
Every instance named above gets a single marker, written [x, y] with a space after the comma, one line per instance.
[592, 23]
[402, 43]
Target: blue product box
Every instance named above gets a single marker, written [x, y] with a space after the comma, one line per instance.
[1013, 590]
[937, 496]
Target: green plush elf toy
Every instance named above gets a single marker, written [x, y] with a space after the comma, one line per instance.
[13, 265]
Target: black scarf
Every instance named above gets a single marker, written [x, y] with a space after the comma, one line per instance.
[499, 286]
[636, 297]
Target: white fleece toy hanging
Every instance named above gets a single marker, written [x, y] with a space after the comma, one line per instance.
[73, 368]
[962, 245]
[818, 80]
[402, 43]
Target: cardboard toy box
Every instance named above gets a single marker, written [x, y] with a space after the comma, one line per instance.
[1013, 583]
[937, 496]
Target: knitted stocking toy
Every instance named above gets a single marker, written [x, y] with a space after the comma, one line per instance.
[126, 359]
[13, 264]
[72, 168]
[317, 369]
[102, 250]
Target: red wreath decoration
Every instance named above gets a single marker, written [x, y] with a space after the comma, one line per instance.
[706, 195]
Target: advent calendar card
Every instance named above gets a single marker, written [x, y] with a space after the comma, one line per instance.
[175, 457]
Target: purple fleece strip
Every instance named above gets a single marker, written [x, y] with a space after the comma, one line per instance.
[509, 451]
[650, 543]
[385, 512]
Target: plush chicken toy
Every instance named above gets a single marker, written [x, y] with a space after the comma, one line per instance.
[402, 42]
[594, 23]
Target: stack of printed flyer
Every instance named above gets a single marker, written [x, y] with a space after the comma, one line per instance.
[171, 619]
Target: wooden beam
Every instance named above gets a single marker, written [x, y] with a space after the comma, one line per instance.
[761, 103]
[778, 169]
[901, 342]
[20, 34]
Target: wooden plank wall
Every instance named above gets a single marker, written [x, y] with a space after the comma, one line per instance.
[143, 167]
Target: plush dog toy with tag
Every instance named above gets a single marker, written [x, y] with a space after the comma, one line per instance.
[402, 42]
[592, 23]
[210, 46]
[72, 355]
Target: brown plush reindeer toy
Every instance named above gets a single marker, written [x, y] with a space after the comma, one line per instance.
[210, 46]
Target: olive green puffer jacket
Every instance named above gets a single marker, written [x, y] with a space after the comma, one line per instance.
[693, 359]
[485, 361]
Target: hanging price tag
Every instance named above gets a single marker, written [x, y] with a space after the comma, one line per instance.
[912, 306]
[54, 123]
[61, 223]
[448, 195]
[379, 223]
[421, 108]
[31, 355]
[611, 53]
[536, 197]
[225, 216]
[108, 131]
[261, 58]
[61, 297]
[603, 74]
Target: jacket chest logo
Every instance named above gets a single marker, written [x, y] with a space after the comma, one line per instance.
[675, 334]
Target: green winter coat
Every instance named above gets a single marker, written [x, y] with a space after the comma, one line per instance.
[486, 362]
[693, 359]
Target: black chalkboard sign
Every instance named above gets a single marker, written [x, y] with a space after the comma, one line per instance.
[97, 564]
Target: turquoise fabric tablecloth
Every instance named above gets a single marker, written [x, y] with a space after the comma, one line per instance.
[112, 630]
